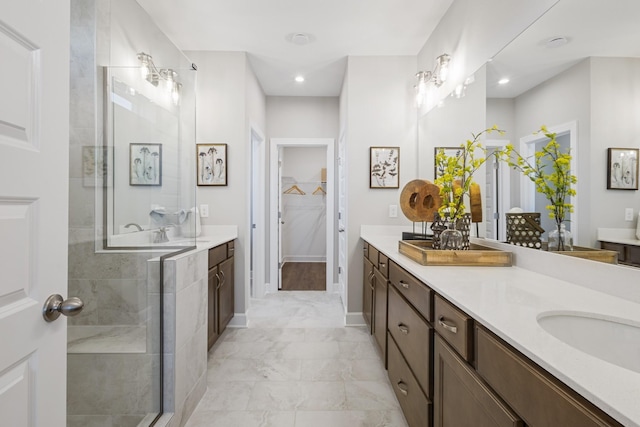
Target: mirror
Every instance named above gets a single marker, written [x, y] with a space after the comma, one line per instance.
[578, 65]
[147, 194]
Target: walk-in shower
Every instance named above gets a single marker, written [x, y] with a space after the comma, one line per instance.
[132, 186]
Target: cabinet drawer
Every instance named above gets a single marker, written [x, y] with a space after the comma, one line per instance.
[416, 292]
[455, 327]
[633, 255]
[413, 336]
[217, 255]
[462, 398]
[533, 393]
[383, 264]
[614, 247]
[230, 249]
[372, 254]
[415, 405]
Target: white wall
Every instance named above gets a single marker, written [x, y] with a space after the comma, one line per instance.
[302, 117]
[472, 32]
[229, 99]
[615, 103]
[378, 111]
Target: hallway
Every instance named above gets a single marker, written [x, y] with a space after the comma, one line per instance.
[296, 366]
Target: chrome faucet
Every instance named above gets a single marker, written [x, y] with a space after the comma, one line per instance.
[133, 224]
[160, 235]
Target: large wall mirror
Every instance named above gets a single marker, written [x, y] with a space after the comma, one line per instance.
[577, 71]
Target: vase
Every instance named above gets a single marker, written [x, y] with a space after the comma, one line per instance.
[451, 238]
[560, 239]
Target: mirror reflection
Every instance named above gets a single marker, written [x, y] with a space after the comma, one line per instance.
[577, 71]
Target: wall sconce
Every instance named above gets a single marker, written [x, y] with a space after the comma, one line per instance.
[437, 77]
[153, 75]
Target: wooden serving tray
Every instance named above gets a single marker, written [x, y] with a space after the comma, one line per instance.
[421, 252]
[602, 255]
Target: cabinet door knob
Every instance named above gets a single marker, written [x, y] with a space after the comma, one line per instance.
[383, 265]
[448, 327]
[404, 285]
[403, 388]
[404, 329]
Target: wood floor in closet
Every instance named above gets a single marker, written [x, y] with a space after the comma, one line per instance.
[304, 276]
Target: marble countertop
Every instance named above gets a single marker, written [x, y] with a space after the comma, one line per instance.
[509, 300]
[625, 236]
[211, 236]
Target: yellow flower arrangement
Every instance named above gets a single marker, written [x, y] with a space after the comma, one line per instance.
[556, 185]
[456, 174]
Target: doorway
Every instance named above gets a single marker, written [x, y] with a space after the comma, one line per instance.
[498, 192]
[302, 210]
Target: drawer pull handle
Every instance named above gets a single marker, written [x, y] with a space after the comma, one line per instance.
[403, 388]
[404, 329]
[448, 327]
[404, 285]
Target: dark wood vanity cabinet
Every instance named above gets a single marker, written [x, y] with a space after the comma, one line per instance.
[447, 370]
[374, 296]
[627, 254]
[220, 304]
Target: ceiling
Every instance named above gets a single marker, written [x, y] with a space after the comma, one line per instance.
[335, 29]
[591, 27]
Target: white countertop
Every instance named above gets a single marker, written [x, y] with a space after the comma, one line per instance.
[625, 236]
[212, 236]
[508, 301]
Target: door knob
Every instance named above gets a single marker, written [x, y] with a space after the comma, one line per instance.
[54, 306]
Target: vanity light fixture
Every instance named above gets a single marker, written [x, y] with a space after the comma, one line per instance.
[153, 75]
[438, 76]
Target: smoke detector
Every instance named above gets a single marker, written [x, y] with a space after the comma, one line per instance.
[300, 39]
[555, 42]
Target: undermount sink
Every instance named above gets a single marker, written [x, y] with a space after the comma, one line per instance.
[614, 340]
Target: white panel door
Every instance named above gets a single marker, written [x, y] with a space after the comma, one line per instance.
[342, 219]
[34, 142]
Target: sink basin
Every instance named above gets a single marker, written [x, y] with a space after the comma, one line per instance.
[608, 338]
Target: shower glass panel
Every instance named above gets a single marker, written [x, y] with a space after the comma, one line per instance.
[131, 205]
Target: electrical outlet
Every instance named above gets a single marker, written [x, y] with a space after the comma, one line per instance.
[628, 214]
[393, 211]
[204, 211]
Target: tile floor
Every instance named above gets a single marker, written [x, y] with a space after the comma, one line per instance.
[296, 366]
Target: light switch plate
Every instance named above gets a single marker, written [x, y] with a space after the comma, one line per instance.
[204, 211]
[393, 211]
[628, 214]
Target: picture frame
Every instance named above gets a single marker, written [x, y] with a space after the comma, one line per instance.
[622, 168]
[384, 167]
[145, 164]
[212, 164]
[448, 151]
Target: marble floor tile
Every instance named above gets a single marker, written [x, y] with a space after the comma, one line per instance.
[297, 365]
[393, 418]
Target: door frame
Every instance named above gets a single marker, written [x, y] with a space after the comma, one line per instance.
[504, 187]
[527, 187]
[257, 215]
[275, 144]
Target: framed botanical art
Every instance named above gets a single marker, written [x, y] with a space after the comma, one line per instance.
[449, 152]
[145, 164]
[384, 171]
[212, 164]
[622, 169]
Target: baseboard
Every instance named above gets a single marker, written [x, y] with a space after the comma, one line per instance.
[354, 319]
[239, 320]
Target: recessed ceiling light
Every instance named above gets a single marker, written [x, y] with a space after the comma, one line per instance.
[503, 81]
[558, 41]
[299, 79]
